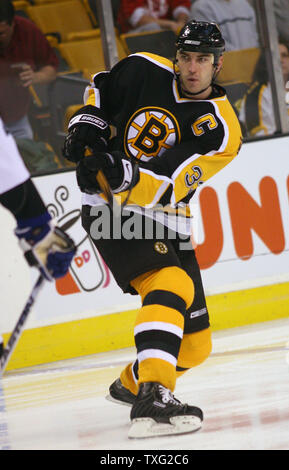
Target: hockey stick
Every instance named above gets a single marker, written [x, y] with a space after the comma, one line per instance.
[16, 333]
[103, 183]
[105, 188]
[107, 191]
[113, 202]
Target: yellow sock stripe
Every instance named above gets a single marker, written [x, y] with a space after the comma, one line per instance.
[159, 313]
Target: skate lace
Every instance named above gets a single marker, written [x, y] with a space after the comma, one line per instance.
[167, 396]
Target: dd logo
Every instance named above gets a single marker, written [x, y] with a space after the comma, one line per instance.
[83, 258]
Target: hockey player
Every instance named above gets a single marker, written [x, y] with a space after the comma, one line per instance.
[179, 126]
[46, 247]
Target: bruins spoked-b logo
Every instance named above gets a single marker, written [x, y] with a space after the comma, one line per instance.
[161, 248]
[150, 132]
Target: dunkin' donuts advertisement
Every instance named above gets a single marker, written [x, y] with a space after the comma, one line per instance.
[88, 271]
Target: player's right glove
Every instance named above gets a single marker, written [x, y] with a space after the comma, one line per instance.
[86, 129]
[117, 168]
[47, 247]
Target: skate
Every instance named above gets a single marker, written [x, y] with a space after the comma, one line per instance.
[119, 394]
[156, 412]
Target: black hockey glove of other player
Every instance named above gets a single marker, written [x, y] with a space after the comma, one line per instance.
[86, 128]
[115, 166]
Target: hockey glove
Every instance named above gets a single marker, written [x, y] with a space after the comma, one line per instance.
[47, 247]
[115, 166]
[86, 128]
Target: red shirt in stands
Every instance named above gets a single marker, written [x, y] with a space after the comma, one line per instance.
[163, 9]
[28, 45]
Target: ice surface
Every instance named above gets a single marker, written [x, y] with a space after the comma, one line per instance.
[243, 389]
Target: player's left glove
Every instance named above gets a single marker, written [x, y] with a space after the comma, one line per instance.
[47, 247]
[86, 128]
[115, 166]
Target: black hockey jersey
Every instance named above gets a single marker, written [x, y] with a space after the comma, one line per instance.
[12, 169]
[180, 142]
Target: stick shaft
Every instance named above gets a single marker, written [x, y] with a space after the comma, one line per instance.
[106, 189]
[16, 333]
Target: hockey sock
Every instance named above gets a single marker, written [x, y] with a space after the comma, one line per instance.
[195, 348]
[166, 294]
[129, 377]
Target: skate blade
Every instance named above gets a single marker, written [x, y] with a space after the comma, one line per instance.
[142, 428]
[119, 402]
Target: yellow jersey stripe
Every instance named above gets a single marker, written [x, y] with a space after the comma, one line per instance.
[157, 60]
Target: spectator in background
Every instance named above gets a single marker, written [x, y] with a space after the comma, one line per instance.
[26, 59]
[236, 19]
[149, 15]
[257, 112]
[281, 10]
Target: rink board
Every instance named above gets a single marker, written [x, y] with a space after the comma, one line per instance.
[241, 227]
[115, 331]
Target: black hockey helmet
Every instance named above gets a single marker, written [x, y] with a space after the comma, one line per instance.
[201, 36]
